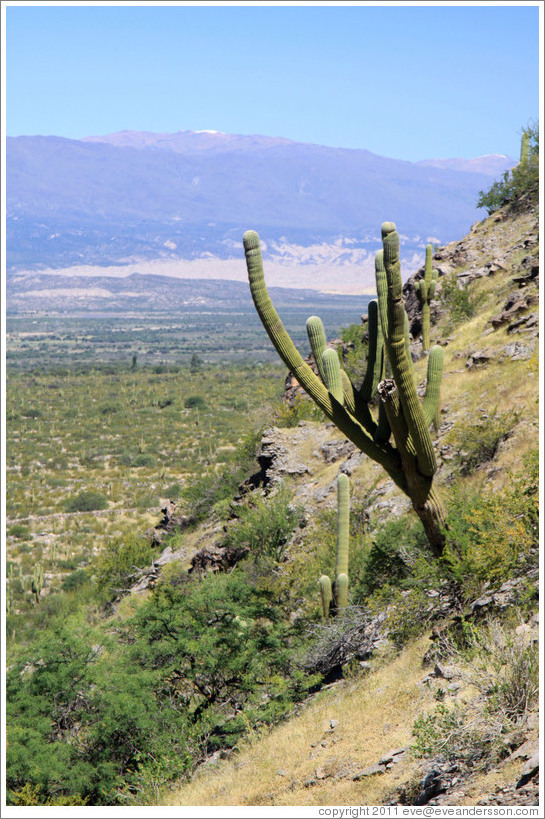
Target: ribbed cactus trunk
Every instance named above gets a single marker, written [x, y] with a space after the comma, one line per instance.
[524, 148]
[398, 437]
[425, 290]
[335, 596]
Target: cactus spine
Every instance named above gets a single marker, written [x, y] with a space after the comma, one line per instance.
[398, 438]
[425, 290]
[336, 596]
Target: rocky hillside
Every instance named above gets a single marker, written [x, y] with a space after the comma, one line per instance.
[354, 742]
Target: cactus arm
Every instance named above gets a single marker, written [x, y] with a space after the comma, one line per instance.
[524, 148]
[425, 290]
[401, 369]
[326, 594]
[383, 427]
[332, 374]
[341, 591]
[375, 353]
[318, 346]
[317, 340]
[408, 342]
[343, 524]
[382, 296]
[431, 403]
[383, 454]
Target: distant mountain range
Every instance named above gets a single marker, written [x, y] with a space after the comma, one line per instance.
[56, 293]
[135, 199]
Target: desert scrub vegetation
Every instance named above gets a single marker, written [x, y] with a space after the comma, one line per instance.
[190, 670]
[499, 671]
[521, 182]
[461, 302]
[492, 536]
[93, 451]
[477, 443]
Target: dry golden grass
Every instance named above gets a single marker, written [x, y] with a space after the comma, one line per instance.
[374, 715]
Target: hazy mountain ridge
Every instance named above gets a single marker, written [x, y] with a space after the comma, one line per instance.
[148, 293]
[139, 196]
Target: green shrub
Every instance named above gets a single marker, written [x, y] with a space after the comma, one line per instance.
[75, 580]
[460, 303]
[390, 560]
[264, 527]
[478, 443]
[301, 408]
[116, 565]
[195, 402]
[87, 501]
[19, 531]
[201, 494]
[31, 412]
[29, 796]
[491, 537]
[522, 180]
[108, 408]
[173, 491]
[144, 459]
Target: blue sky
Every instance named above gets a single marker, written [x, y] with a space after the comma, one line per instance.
[407, 81]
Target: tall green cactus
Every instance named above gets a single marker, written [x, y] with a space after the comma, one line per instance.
[524, 148]
[37, 581]
[398, 438]
[425, 290]
[336, 596]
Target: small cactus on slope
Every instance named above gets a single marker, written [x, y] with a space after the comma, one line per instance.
[425, 290]
[398, 438]
[37, 581]
[336, 596]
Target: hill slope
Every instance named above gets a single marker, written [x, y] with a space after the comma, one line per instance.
[354, 742]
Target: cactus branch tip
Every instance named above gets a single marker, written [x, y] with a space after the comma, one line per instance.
[250, 240]
[386, 228]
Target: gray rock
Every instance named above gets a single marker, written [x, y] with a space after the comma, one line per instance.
[373, 770]
[530, 769]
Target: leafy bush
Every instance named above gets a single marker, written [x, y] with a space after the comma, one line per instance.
[28, 796]
[195, 402]
[173, 491]
[395, 550]
[144, 459]
[460, 303]
[75, 580]
[300, 409]
[19, 531]
[87, 501]
[478, 443]
[491, 537]
[522, 180]
[264, 526]
[202, 494]
[116, 565]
